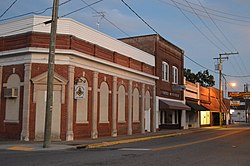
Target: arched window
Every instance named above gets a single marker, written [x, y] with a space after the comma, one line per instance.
[165, 71]
[175, 74]
[121, 104]
[136, 105]
[104, 103]
[12, 104]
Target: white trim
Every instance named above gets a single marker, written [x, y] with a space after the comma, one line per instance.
[71, 27]
[68, 60]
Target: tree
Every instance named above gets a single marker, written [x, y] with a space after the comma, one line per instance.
[203, 77]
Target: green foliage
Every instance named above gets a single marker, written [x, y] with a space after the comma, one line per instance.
[203, 77]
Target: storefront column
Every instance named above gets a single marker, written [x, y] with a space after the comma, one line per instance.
[26, 103]
[183, 119]
[94, 132]
[69, 133]
[154, 110]
[130, 107]
[114, 107]
[142, 109]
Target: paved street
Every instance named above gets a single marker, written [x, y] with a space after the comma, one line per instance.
[225, 146]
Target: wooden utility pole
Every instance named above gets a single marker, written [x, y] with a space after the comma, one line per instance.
[50, 77]
[220, 81]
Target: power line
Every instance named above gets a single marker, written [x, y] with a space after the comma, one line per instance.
[139, 16]
[8, 9]
[215, 18]
[221, 16]
[106, 19]
[200, 64]
[77, 10]
[217, 26]
[39, 12]
[203, 22]
[196, 26]
[49, 21]
[222, 12]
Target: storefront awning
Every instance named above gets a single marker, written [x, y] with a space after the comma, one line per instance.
[173, 105]
[195, 106]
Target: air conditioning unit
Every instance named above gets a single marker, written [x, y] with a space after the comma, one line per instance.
[10, 92]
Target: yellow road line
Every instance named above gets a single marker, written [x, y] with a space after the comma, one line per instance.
[196, 142]
[20, 148]
[104, 144]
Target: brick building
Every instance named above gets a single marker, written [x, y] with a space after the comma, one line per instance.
[169, 62]
[118, 82]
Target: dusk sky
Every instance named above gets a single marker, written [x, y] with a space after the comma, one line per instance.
[202, 28]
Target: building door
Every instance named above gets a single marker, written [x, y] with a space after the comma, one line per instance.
[40, 115]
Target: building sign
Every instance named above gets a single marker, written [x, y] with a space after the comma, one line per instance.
[234, 103]
[239, 94]
[80, 91]
[233, 94]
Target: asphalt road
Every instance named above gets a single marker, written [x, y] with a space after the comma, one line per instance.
[220, 147]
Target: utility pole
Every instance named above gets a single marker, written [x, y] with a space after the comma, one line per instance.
[220, 81]
[50, 77]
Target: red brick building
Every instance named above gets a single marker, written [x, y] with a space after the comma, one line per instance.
[169, 62]
[118, 82]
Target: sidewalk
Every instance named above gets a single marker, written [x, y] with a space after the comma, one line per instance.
[92, 143]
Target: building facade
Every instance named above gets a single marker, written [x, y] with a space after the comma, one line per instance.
[169, 62]
[102, 86]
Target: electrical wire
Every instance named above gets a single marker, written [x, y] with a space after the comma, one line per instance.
[200, 64]
[106, 19]
[139, 17]
[7, 9]
[39, 12]
[225, 37]
[30, 26]
[222, 12]
[214, 44]
[215, 18]
[79, 9]
[221, 16]
[204, 23]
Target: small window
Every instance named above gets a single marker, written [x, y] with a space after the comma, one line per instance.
[165, 71]
[175, 74]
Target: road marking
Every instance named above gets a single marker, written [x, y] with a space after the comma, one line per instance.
[104, 144]
[20, 148]
[134, 149]
[195, 142]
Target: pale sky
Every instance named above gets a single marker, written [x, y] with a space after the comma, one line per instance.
[222, 26]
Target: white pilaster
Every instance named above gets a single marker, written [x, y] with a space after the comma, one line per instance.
[154, 110]
[94, 132]
[130, 107]
[69, 133]
[142, 109]
[114, 107]
[26, 103]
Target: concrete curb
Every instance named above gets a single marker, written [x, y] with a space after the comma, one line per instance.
[110, 143]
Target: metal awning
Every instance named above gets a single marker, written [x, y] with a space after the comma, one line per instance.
[195, 106]
[173, 105]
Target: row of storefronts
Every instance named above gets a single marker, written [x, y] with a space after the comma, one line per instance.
[102, 86]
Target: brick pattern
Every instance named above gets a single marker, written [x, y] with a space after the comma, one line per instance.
[163, 51]
[38, 39]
